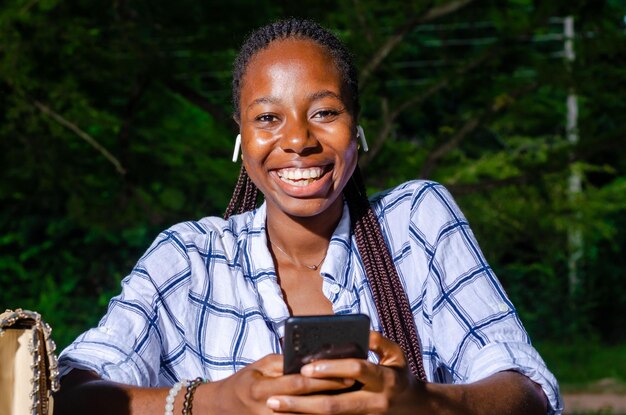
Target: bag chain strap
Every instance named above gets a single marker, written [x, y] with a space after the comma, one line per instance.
[42, 348]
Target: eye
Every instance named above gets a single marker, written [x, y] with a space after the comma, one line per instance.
[326, 114]
[266, 118]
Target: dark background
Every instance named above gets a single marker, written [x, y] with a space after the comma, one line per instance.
[115, 123]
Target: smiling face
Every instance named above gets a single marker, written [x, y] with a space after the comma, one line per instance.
[298, 129]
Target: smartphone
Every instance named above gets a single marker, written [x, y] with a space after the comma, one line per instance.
[311, 338]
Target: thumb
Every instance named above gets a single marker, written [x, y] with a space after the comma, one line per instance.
[389, 353]
[270, 365]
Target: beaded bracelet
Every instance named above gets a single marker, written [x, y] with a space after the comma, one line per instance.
[191, 388]
[171, 396]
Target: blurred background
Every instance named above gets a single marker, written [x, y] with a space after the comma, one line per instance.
[115, 123]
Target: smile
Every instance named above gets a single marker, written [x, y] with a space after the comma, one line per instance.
[300, 177]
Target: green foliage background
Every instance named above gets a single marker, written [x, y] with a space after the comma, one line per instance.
[115, 123]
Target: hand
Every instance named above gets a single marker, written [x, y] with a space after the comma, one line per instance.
[383, 385]
[247, 391]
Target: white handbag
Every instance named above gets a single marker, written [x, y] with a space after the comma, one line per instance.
[28, 365]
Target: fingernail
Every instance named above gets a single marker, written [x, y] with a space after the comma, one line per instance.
[307, 370]
[273, 403]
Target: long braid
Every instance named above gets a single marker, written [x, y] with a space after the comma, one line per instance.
[244, 196]
[389, 294]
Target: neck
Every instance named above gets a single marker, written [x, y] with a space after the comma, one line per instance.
[303, 238]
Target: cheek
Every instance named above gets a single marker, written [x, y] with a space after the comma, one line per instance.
[351, 149]
[253, 152]
[350, 160]
[254, 173]
[255, 146]
[353, 157]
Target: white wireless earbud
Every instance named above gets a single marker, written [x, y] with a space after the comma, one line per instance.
[237, 147]
[361, 135]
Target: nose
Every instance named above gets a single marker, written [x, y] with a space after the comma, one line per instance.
[299, 139]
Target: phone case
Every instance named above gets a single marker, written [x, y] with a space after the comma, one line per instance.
[310, 338]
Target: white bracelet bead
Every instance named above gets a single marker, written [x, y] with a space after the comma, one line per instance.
[171, 396]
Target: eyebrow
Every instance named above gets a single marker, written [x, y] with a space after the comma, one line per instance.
[311, 97]
[323, 94]
[264, 100]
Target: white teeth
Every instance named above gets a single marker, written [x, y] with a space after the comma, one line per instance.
[300, 177]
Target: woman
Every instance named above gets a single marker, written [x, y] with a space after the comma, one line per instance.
[209, 298]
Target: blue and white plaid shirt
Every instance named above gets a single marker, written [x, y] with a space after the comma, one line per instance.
[204, 299]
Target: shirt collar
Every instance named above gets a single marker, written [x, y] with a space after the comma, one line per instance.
[337, 265]
[258, 244]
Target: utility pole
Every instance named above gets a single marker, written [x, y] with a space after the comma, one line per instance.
[574, 236]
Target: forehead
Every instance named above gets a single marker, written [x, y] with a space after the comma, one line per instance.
[301, 57]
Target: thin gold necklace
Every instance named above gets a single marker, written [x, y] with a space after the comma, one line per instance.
[311, 267]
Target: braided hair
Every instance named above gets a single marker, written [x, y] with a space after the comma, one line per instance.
[389, 295]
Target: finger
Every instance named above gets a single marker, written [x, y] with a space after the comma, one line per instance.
[389, 353]
[375, 378]
[349, 403]
[298, 385]
[372, 376]
[336, 368]
[270, 365]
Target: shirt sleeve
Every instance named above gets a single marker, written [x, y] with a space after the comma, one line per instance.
[474, 328]
[128, 343]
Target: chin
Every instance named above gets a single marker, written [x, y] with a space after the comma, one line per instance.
[307, 208]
